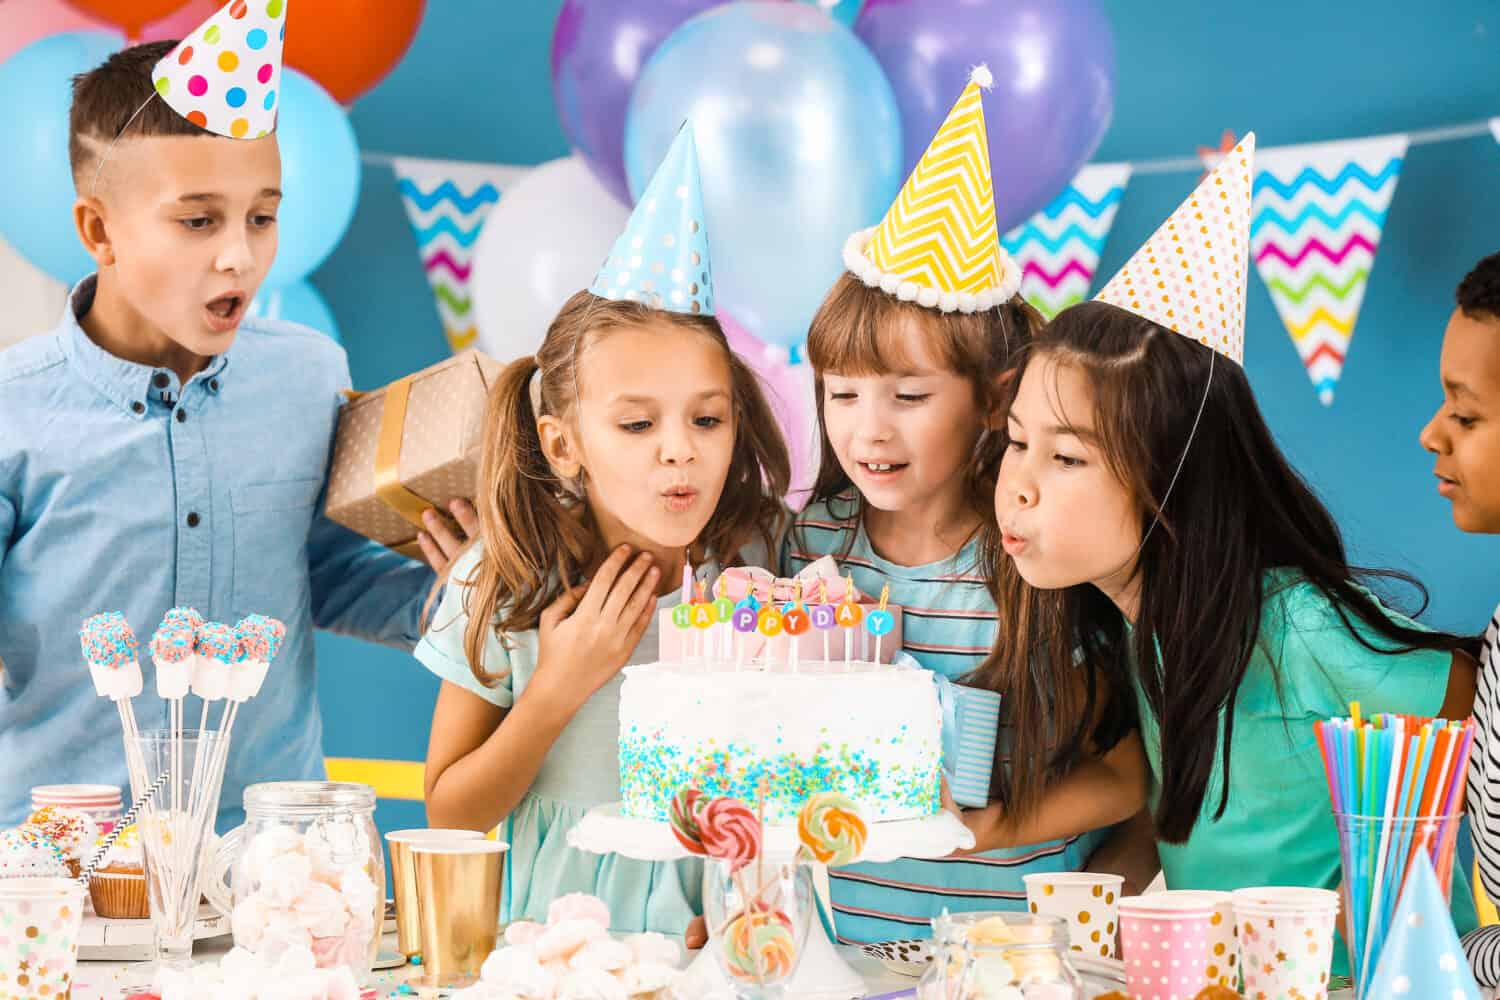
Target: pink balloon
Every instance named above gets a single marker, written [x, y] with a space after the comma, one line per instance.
[24, 21]
[180, 23]
[789, 389]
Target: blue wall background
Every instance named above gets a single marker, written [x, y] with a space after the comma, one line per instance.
[475, 86]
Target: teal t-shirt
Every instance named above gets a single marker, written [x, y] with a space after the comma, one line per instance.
[1278, 827]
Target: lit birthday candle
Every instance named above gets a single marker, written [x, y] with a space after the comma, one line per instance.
[823, 617]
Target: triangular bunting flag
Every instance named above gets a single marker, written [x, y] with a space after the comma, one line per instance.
[661, 259]
[1421, 958]
[1319, 210]
[1058, 249]
[937, 245]
[1190, 275]
[447, 203]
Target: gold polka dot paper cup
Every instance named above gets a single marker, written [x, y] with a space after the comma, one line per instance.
[39, 921]
[1286, 941]
[1165, 937]
[1088, 901]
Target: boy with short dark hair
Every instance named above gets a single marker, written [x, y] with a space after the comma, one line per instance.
[158, 448]
[1464, 435]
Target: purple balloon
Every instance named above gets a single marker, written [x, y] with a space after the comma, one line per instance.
[598, 50]
[1054, 93]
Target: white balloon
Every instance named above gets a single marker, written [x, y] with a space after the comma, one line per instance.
[541, 243]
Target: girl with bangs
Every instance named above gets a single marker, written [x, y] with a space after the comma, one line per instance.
[911, 354]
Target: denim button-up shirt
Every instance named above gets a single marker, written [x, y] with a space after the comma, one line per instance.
[123, 490]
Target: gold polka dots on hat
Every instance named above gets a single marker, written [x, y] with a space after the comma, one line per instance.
[1202, 297]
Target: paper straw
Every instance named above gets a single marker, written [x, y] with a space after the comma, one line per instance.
[127, 820]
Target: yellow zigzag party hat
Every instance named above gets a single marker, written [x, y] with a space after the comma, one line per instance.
[1190, 275]
[938, 245]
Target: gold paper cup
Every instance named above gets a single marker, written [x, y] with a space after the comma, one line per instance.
[404, 880]
[458, 907]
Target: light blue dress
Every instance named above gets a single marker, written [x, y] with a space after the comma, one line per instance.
[580, 771]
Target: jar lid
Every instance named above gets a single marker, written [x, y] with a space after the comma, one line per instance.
[310, 797]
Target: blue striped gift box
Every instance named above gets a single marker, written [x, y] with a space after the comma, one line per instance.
[977, 717]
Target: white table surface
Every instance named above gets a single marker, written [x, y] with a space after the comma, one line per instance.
[95, 980]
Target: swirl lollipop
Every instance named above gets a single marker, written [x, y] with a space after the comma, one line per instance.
[831, 829]
[729, 832]
[759, 947]
[687, 808]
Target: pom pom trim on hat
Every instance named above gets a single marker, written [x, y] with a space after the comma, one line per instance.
[867, 271]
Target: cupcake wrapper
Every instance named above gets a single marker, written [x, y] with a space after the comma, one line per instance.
[119, 896]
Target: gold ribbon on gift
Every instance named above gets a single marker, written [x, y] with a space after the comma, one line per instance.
[389, 489]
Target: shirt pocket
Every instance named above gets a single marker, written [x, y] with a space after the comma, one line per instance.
[271, 526]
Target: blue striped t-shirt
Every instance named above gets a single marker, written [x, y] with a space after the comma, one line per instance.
[948, 626]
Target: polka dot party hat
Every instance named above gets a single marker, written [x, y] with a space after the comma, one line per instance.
[226, 75]
[1190, 276]
[937, 245]
[1421, 957]
[661, 259]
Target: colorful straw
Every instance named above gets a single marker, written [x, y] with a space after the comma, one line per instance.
[1398, 780]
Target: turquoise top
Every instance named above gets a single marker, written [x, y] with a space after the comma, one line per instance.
[581, 771]
[1278, 827]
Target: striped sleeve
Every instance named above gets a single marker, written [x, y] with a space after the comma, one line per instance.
[1483, 945]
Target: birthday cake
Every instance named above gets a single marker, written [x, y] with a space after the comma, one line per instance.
[736, 712]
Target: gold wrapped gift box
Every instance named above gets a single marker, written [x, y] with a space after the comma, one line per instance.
[409, 447]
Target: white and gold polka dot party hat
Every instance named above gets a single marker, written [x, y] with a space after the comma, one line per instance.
[1190, 275]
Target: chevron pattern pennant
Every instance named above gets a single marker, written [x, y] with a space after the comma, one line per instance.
[447, 202]
[940, 233]
[1317, 218]
[1058, 248]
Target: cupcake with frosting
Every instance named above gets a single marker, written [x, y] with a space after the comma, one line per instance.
[118, 885]
[26, 853]
[72, 830]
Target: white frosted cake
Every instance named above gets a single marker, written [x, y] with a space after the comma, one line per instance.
[871, 731]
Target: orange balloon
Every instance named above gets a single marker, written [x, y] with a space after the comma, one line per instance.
[349, 46]
[130, 15]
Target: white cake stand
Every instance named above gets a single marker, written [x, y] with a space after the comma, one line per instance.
[822, 974]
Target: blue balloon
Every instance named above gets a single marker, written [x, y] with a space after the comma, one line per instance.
[319, 177]
[36, 182]
[799, 145]
[298, 302]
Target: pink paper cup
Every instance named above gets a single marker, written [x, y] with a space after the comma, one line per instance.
[1166, 939]
[39, 922]
[1223, 967]
[1286, 941]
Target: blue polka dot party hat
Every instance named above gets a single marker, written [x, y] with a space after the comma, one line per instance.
[226, 75]
[1421, 957]
[661, 259]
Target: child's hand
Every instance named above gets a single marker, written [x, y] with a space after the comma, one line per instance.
[440, 543]
[696, 935]
[587, 635]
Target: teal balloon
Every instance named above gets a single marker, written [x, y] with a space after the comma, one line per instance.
[319, 177]
[36, 181]
[799, 145]
[298, 302]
